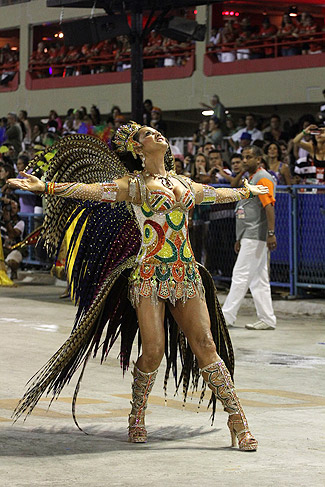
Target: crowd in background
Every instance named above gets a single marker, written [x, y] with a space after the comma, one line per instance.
[9, 58]
[294, 151]
[241, 39]
[55, 59]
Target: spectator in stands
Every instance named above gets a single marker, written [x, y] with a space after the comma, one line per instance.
[147, 107]
[54, 116]
[12, 230]
[207, 147]
[218, 168]
[179, 166]
[267, 34]
[26, 128]
[122, 53]
[307, 26]
[115, 111]
[9, 60]
[6, 172]
[250, 127]
[315, 148]
[27, 202]
[215, 134]
[156, 120]
[274, 133]
[71, 57]
[228, 37]
[37, 133]
[255, 220]
[38, 59]
[244, 141]
[276, 167]
[199, 137]
[3, 128]
[242, 41]
[152, 49]
[188, 164]
[68, 127]
[78, 121]
[95, 115]
[218, 108]
[201, 168]
[118, 121]
[14, 133]
[238, 173]
[287, 32]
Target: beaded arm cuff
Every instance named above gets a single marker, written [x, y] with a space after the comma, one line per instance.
[212, 195]
[93, 192]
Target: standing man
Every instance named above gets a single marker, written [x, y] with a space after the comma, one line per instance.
[255, 221]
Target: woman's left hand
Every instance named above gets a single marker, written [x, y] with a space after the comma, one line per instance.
[256, 189]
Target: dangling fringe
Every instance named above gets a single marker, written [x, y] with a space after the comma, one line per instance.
[113, 310]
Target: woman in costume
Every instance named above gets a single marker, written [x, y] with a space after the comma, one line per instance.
[130, 265]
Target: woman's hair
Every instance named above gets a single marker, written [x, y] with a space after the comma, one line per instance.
[96, 117]
[195, 174]
[135, 163]
[266, 149]
[10, 170]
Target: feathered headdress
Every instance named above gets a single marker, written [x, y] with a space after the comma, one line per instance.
[123, 138]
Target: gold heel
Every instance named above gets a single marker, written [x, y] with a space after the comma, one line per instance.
[218, 379]
[142, 385]
[245, 439]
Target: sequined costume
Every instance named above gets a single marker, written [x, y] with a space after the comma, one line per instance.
[117, 251]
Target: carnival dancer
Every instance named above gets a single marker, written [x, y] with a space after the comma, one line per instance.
[130, 266]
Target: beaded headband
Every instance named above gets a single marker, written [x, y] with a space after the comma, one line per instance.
[123, 138]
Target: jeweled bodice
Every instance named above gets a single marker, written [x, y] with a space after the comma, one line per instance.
[165, 263]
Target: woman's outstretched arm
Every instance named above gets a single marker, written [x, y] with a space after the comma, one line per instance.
[208, 195]
[117, 190]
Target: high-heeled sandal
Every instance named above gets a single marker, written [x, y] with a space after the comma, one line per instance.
[247, 442]
[142, 385]
[218, 379]
[137, 432]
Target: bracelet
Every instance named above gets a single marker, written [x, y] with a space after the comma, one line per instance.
[304, 132]
[251, 195]
[49, 188]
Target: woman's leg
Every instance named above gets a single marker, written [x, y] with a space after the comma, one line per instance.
[193, 318]
[151, 324]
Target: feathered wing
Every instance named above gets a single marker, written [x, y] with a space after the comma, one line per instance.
[75, 158]
[102, 243]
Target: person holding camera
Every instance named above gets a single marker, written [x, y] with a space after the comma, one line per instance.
[315, 147]
[12, 230]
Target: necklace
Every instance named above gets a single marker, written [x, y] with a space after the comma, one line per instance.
[165, 180]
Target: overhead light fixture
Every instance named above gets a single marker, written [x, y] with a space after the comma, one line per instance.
[208, 113]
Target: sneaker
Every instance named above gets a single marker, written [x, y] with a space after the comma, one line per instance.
[259, 325]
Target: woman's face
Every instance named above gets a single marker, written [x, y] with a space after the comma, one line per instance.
[20, 165]
[151, 140]
[178, 167]
[320, 138]
[3, 173]
[273, 151]
[200, 162]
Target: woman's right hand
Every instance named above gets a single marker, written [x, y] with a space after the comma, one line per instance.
[29, 183]
[310, 128]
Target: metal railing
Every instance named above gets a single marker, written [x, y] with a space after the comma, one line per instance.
[297, 263]
[97, 62]
[275, 44]
[299, 260]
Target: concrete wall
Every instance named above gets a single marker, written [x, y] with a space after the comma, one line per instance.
[252, 89]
